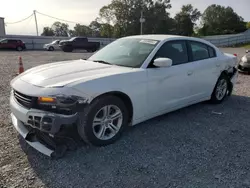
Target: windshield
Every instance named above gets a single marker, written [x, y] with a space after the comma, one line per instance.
[55, 42]
[128, 52]
[72, 39]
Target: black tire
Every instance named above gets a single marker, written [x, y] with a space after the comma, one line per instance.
[93, 50]
[19, 48]
[51, 48]
[85, 129]
[214, 98]
[69, 49]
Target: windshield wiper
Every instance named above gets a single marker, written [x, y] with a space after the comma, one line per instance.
[101, 61]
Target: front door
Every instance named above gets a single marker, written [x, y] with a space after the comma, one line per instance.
[169, 87]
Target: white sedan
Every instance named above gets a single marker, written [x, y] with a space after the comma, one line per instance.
[52, 46]
[127, 82]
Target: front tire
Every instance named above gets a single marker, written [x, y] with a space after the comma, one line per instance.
[19, 48]
[103, 121]
[221, 89]
[51, 48]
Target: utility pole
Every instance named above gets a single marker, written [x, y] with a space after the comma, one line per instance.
[142, 20]
[36, 22]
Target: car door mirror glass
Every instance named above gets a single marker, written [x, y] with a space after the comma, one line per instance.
[163, 62]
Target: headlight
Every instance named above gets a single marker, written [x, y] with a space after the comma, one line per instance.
[62, 102]
[48, 100]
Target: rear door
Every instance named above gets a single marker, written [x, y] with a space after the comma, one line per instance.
[206, 68]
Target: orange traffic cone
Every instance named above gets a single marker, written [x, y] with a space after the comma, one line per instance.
[21, 69]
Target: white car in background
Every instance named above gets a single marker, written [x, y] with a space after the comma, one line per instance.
[127, 82]
[52, 46]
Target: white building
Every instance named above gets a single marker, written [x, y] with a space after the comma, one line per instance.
[2, 27]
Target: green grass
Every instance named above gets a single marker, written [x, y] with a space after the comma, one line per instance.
[246, 46]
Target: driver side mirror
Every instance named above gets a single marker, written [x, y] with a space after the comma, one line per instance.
[163, 62]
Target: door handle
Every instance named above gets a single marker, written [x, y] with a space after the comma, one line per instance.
[190, 73]
[217, 65]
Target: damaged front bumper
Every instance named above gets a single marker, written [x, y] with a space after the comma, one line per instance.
[244, 68]
[40, 129]
[24, 132]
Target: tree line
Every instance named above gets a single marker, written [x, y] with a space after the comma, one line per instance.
[122, 18]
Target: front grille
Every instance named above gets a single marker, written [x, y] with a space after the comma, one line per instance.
[24, 100]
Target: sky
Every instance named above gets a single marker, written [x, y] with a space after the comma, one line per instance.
[84, 11]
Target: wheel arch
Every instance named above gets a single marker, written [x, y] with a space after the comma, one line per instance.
[230, 87]
[225, 72]
[124, 97]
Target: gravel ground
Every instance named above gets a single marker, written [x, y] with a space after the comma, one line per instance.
[200, 146]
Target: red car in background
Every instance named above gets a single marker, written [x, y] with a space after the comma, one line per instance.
[12, 44]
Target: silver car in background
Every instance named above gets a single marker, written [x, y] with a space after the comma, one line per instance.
[52, 46]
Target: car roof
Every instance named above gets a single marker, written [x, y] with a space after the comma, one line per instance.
[10, 39]
[154, 37]
[163, 37]
[160, 37]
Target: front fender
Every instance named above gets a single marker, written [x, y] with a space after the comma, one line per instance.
[134, 85]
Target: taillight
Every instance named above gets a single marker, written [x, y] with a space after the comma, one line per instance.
[235, 55]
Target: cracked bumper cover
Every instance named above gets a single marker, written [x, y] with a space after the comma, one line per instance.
[244, 68]
[21, 120]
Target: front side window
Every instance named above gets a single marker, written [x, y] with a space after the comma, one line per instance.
[174, 50]
[128, 52]
[83, 39]
[72, 39]
[12, 41]
[199, 51]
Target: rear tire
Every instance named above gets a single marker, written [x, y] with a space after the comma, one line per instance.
[99, 128]
[221, 89]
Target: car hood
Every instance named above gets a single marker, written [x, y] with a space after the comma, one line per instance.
[67, 72]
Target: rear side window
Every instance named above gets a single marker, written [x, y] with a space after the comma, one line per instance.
[174, 50]
[12, 41]
[199, 51]
[211, 52]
